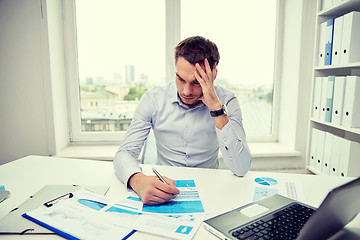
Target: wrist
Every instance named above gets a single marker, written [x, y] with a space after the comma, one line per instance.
[222, 111]
[216, 106]
[134, 179]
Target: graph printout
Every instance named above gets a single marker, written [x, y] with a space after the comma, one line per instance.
[90, 216]
[188, 201]
[266, 181]
[267, 186]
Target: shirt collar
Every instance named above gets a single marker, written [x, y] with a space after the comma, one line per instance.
[173, 94]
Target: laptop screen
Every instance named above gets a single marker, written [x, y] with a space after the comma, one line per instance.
[340, 206]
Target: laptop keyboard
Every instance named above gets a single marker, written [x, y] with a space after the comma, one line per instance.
[285, 224]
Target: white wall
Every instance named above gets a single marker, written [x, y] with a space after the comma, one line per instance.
[26, 99]
[58, 73]
[296, 73]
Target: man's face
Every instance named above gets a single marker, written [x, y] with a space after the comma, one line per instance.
[188, 87]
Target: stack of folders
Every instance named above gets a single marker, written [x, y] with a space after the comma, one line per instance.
[339, 40]
[334, 155]
[337, 100]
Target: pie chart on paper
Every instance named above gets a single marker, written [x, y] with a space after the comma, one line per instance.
[266, 181]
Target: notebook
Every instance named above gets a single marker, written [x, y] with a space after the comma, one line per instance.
[278, 217]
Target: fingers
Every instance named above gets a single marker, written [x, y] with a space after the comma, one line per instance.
[152, 191]
[214, 72]
[206, 76]
[169, 189]
[200, 71]
[171, 183]
[161, 193]
[166, 192]
[208, 68]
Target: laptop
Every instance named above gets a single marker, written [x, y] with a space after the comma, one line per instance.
[279, 217]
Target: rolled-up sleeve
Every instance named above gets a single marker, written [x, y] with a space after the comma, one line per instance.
[232, 141]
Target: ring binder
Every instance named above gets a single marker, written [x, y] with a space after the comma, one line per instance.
[55, 200]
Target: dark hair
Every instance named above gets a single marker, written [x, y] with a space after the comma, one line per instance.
[196, 49]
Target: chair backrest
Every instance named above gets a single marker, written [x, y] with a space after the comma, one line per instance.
[149, 154]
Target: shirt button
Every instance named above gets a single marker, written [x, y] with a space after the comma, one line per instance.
[187, 156]
[224, 139]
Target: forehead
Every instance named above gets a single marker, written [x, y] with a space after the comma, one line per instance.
[186, 70]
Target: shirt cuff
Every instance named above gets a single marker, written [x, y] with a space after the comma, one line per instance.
[227, 134]
[124, 173]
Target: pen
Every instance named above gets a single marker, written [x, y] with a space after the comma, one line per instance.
[159, 176]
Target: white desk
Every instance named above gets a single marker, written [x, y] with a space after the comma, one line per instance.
[220, 190]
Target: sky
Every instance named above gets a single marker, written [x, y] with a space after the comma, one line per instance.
[112, 34]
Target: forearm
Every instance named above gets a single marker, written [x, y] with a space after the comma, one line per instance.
[234, 149]
[221, 121]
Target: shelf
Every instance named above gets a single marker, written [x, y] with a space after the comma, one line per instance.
[332, 141]
[354, 65]
[350, 130]
[340, 9]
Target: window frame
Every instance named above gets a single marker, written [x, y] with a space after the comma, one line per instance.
[172, 35]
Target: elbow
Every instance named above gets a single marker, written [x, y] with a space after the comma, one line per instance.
[241, 172]
[243, 166]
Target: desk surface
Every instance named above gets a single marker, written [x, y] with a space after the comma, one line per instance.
[220, 190]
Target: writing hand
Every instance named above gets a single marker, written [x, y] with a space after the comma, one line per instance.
[151, 190]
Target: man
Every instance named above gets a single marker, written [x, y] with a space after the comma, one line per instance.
[191, 118]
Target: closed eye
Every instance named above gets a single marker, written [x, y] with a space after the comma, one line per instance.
[195, 83]
[180, 78]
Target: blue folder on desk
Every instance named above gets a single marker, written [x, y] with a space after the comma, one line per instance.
[62, 233]
[75, 215]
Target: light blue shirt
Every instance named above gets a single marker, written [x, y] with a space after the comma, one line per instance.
[184, 136]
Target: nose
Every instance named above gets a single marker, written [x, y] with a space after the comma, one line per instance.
[187, 89]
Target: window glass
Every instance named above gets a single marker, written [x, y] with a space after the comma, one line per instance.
[121, 53]
[244, 32]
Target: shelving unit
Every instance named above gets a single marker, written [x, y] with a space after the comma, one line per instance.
[351, 134]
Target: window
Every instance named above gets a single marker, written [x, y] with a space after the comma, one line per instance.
[118, 49]
[244, 32]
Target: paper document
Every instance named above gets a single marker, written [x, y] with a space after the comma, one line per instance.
[87, 215]
[179, 218]
[79, 217]
[187, 202]
[266, 186]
